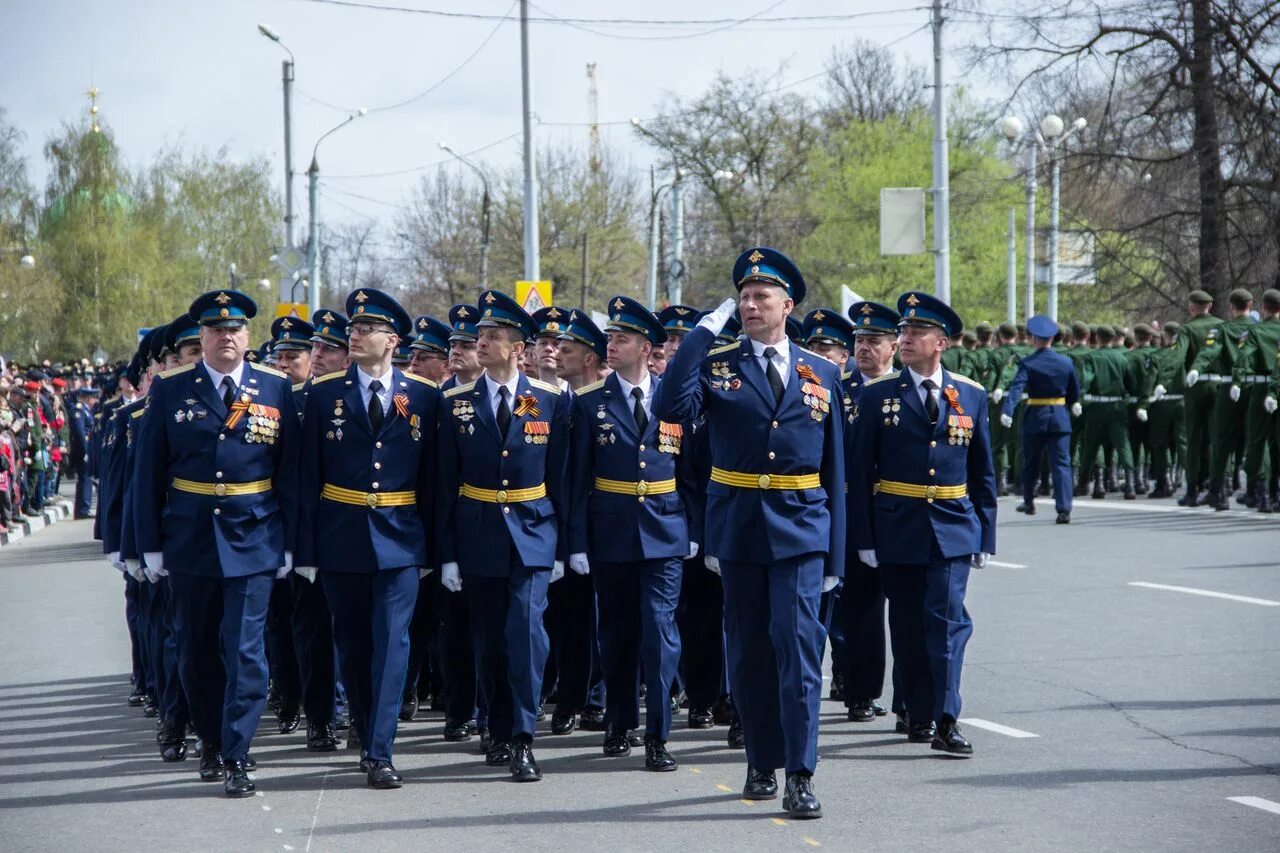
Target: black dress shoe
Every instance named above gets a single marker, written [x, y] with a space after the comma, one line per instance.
[737, 739]
[150, 709]
[236, 781]
[408, 707]
[592, 719]
[173, 743]
[799, 801]
[862, 711]
[635, 738]
[365, 763]
[341, 722]
[542, 712]
[881, 711]
[498, 755]
[656, 757]
[616, 745]
[457, 732]
[761, 785]
[836, 693]
[321, 737]
[137, 698]
[1029, 509]
[563, 724]
[353, 739]
[211, 765]
[675, 704]
[485, 743]
[922, 732]
[1063, 518]
[250, 762]
[722, 711]
[523, 766]
[901, 725]
[288, 722]
[949, 740]
[701, 718]
[383, 776]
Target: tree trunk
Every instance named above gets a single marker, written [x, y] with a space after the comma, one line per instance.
[1208, 152]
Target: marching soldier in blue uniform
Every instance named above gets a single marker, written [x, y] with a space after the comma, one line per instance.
[1049, 380]
[775, 505]
[80, 426]
[215, 502]
[628, 529]
[504, 442]
[922, 505]
[367, 494]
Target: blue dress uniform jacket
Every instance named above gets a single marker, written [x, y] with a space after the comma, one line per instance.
[629, 490]
[894, 443]
[185, 436]
[751, 435]
[533, 454]
[352, 531]
[111, 499]
[1044, 375]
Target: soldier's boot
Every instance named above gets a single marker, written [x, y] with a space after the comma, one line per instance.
[1129, 493]
[1109, 480]
[1264, 503]
[1141, 485]
[1162, 489]
[1176, 482]
[1082, 483]
[1219, 496]
[1188, 498]
[1248, 498]
[1099, 492]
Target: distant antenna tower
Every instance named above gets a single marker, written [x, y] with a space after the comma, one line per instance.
[593, 111]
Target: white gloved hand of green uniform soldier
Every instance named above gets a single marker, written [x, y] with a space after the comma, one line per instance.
[1270, 405]
[716, 320]
[997, 395]
[1141, 415]
[1193, 376]
[1234, 393]
[1158, 392]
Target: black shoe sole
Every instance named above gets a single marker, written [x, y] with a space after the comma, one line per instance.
[327, 747]
[760, 797]
[526, 777]
[948, 753]
[661, 768]
[240, 795]
[805, 815]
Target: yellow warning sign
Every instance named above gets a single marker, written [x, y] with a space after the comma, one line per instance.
[533, 295]
[291, 309]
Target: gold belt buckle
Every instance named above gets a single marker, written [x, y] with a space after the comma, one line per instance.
[502, 496]
[764, 481]
[642, 488]
[220, 489]
[930, 492]
[371, 500]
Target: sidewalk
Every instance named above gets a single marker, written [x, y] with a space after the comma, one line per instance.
[57, 508]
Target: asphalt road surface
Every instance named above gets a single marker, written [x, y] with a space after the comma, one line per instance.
[1122, 692]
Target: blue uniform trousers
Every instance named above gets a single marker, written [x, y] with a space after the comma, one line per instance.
[774, 639]
[861, 616]
[371, 614]
[929, 630]
[146, 638]
[511, 646]
[424, 647]
[638, 627]
[282, 659]
[313, 647]
[84, 494]
[457, 655]
[1058, 445]
[571, 627]
[829, 612]
[219, 623]
[164, 657]
[141, 677]
[700, 618]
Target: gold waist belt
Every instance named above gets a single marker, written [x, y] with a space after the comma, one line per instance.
[221, 490]
[503, 496]
[1047, 401]
[626, 487]
[912, 490]
[372, 500]
[765, 481]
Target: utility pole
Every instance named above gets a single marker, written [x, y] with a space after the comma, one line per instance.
[1011, 280]
[1052, 307]
[941, 192]
[586, 267]
[1032, 156]
[532, 271]
[675, 291]
[313, 241]
[287, 66]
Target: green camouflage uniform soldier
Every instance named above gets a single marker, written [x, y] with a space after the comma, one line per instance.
[1269, 406]
[1199, 398]
[1080, 353]
[1106, 421]
[1004, 366]
[1213, 367]
[1166, 417]
[1258, 358]
[1142, 360]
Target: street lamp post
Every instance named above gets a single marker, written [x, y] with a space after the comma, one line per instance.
[484, 216]
[1052, 129]
[655, 233]
[313, 242]
[287, 74]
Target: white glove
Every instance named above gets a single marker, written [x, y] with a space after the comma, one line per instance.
[1234, 393]
[151, 576]
[155, 562]
[693, 550]
[1077, 409]
[1158, 392]
[1270, 405]
[980, 560]
[134, 568]
[1141, 415]
[1006, 421]
[557, 571]
[579, 563]
[283, 571]
[113, 560]
[716, 320]
[997, 395]
[450, 577]
[869, 558]
[307, 572]
[422, 573]
[1193, 376]
[712, 563]
[829, 583]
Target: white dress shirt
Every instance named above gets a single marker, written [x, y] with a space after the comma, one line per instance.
[366, 393]
[495, 399]
[646, 390]
[237, 376]
[781, 361]
[936, 378]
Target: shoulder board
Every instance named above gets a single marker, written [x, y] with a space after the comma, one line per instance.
[893, 374]
[846, 376]
[270, 370]
[138, 413]
[416, 378]
[174, 371]
[299, 386]
[726, 348]
[459, 389]
[329, 376]
[545, 386]
[814, 354]
[966, 380]
[587, 389]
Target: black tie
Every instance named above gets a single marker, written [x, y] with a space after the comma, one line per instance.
[375, 406]
[930, 402]
[775, 378]
[504, 411]
[228, 392]
[642, 420]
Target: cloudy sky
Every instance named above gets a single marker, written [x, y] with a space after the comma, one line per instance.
[199, 74]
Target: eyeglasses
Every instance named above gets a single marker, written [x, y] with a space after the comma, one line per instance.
[356, 330]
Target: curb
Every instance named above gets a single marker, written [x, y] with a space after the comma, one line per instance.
[57, 509]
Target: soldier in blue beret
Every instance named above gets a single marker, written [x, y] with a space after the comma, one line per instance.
[216, 507]
[922, 505]
[367, 495]
[504, 442]
[429, 354]
[775, 503]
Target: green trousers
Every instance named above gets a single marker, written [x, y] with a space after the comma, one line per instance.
[1261, 437]
[1167, 430]
[1107, 425]
[1001, 438]
[1200, 399]
[1226, 428]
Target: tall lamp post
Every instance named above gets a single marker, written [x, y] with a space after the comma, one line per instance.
[287, 74]
[313, 242]
[484, 215]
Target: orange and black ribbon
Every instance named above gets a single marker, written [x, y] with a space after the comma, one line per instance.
[953, 397]
[807, 372]
[527, 404]
[401, 402]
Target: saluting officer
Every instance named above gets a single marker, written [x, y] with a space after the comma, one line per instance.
[922, 504]
[366, 506]
[504, 442]
[216, 504]
[775, 505]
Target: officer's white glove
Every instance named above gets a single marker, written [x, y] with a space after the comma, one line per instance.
[579, 563]
[307, 572]
[716, 320]
[829, 583]
[151, 576]
[155, 562]
[113, 560]
[1193, 376]
[869, 558]
[422, 573]
[557, 571]
[1234, 393]
[980, 560]
[1270, 405]
[1158, 392]
[1077, 409]
[134, 568]
[1006, 421]
[693, 550]
[1141, 414]
[712, 563]
[450, 577]
[997, 395]
[283, 571]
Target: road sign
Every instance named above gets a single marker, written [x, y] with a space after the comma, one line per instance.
[533, 295]
[297, 310]
[901, 221]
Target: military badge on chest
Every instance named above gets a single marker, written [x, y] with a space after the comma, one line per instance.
[264, 424]
[536, 432]
[817, 398]
[959, 425]
[464, 412]
[724, 379]
[338, 420]
[890, 407]
[669, 437]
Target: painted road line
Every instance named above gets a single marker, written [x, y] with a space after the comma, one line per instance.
[1234, 515]
[1257, 803]
[725, 789]
[1208, 593]
[1007, 731]
[1000, 565]
[812, 842]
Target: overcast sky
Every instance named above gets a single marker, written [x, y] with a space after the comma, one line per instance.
[199, 74]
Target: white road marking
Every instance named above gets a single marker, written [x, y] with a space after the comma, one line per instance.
[1203, 512]
[1000, 565]
[1007, 731]
[316, 815]
[1257, 803]
[1208, 593]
